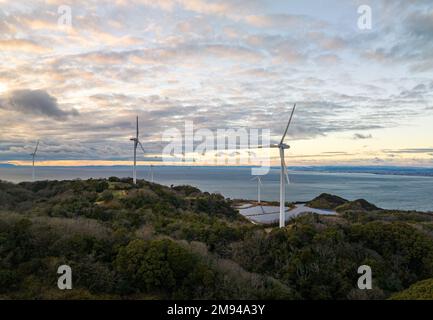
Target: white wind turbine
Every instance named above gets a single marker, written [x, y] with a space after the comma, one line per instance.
[33, 161]
[259, 184]
[284, 174]
[136, 144]
[151, 173]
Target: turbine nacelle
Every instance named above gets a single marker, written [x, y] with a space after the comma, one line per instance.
[135, 141]
[280, 146]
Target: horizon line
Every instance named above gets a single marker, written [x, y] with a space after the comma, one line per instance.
[163, 164]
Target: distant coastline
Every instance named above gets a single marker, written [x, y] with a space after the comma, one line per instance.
[383, 170]
[378, 170]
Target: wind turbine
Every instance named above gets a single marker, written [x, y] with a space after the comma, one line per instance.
[136, 144]
[33, 161]
[259, 184]
[283, 174]
[151, 173]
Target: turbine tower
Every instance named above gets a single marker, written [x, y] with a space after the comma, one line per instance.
[136, 144]
[151, 173]
[283, 174]
[259, 184]
[33, 161]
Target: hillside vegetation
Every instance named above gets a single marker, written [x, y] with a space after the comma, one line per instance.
[422, 290]
[326, 201]
[155, 242]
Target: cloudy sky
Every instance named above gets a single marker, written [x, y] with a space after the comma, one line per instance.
[364, 96]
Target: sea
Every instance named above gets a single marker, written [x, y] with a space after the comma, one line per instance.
[386, 187]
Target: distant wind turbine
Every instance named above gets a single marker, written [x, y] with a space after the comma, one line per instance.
[136, 144]
[259, 184]
[33, 161]
[151, 173]
[284, 174]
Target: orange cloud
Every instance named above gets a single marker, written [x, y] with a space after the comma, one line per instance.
[22, 45]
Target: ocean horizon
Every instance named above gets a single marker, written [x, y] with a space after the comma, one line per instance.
[402, 188]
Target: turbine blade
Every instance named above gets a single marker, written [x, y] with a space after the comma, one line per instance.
[141, 146]
[137, 128]
[286, 172]
[288, 124]
[36, 149]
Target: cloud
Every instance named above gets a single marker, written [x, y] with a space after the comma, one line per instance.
[282, 21]
[410, 151]
[360, 136]
[419, 91]
[207, 7]
[409, 44]
[36, 102]
[22, 45]
[328, 59]
[221, 64]
[420, 24]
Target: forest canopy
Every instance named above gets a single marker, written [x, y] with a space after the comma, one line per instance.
[148, 241]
